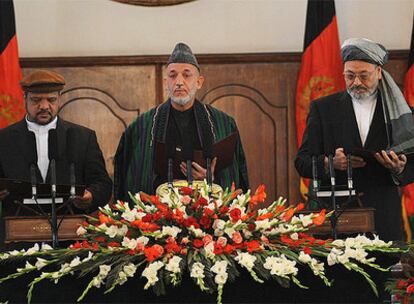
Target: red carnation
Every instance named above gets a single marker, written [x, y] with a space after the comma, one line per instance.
[410, 289]
[235, 214]
[229, 249]
[218, 249]
[307, 250]
[401, 284]
[253, 246]
[205, 221]
[223, 210]
[186, 190]
[198, 243]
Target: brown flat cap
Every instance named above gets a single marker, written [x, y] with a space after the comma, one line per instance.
[43, 81]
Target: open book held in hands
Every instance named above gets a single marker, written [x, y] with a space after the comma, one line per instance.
[223, 150]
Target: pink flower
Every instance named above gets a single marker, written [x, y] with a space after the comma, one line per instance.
[207, 239]
[222, 241]
[237, 237]
[186, 199]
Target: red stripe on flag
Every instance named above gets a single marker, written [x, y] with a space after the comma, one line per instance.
[11, 96]
[320, 74]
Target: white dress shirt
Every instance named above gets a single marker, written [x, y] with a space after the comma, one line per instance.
[42, 135]
[364, 112]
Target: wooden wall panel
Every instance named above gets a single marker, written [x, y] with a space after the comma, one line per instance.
[258, 90]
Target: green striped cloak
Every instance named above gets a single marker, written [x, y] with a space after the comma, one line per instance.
[135, 154]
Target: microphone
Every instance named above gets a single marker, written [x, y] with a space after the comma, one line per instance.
[70, 154]
[33, 164]
[331, 170]
[314, 174]
[208, 154]
[53, 155]
[349, 171]
[170, 160]
[188, 157]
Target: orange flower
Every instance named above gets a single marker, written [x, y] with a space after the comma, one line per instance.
[153, 252]
[253, 246]
[288, 215]
[259, 196]
[320, 219]
[279, 209]
[103, 218]
[264, 216]
[300, 206]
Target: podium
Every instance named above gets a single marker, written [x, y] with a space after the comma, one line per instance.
[37, 228]
[34, 225]
[350, 221]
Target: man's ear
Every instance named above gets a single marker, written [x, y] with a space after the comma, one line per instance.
[200, 81]
[379, 72]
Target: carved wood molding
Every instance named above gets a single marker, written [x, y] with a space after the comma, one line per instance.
[36, 62]
[153, 2]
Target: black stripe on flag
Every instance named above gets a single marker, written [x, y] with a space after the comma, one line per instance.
[411, 55]
[7, 23]
[318, 16]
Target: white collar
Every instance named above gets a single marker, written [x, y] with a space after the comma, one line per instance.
[41, 128]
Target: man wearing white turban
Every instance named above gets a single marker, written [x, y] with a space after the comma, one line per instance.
[372, 115]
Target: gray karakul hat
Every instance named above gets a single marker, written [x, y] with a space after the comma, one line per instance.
[183, 54]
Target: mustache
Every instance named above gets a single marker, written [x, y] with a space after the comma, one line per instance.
[44, 112]
[357, 87]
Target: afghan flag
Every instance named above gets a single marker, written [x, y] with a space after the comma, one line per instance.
[321, 69]
[408, 191]
[11, 96]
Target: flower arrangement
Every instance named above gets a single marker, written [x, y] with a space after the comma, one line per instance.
[188, 232]
[401, 287]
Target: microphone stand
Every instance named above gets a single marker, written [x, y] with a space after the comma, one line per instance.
[33, 181]
[334, 218]
[349, 175]
[189, 173]
[55, 239]
[170, 173]
[72, 180]
[209, 175]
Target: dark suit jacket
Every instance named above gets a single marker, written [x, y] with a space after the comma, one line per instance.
[331, 124]
[15, 159]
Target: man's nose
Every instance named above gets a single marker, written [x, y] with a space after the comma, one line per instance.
[357, 81]
[44, 104]
[179, 80]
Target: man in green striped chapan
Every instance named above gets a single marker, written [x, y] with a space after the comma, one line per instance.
[180, 121]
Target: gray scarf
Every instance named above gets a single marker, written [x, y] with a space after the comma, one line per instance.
[396, 110]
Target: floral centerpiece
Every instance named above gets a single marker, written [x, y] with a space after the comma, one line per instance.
[186, 231]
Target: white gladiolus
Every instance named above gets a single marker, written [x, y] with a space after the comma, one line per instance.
[197, 232]
[280, 266]
[197, 271]
[104, 270]
[97, 281]
[143, 240]
[219, 267]
[129, 243]
[174, 264]
[246, 260]
[129, 270]
[90, 255]
[33, 249]
[129, 215]
[81, 230]
[123, 230]
[221, 278]
[339, 243]
[209, 249]
[262, 225]
[122, 277]
[304, 258]
[171, 230]
[112, 231]
[294, 236]
[75, 262]
[46, 247]
[151, 273]
[40, 263]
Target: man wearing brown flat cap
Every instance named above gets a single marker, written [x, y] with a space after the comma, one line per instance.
[28, 142]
